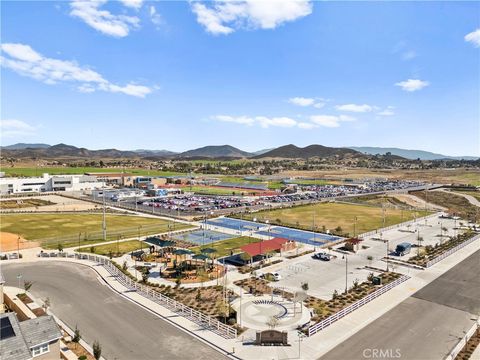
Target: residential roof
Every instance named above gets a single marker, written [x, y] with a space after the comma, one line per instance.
[263, 247]
[40, 330]
[13, 347]
[26, 334]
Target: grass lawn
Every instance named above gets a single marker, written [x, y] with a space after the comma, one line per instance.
[123, 248]
[475, 194]
[224, 247]
[454, 203]
[32, 171]
[51, 229]
[332, 215]
[23, 203]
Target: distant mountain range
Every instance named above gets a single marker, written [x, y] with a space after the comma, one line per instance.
[409, 154]
[63, 151]
[294, 152]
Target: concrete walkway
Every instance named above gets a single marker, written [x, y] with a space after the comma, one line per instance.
[472, 200]
[308, 348]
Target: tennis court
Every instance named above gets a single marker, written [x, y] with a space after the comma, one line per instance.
[306, 237]
[236, 224]
[201, 237]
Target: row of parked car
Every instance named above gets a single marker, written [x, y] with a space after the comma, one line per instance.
[315, 192]
[197, 203]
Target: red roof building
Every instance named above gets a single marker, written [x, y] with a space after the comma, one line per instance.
[263, 247]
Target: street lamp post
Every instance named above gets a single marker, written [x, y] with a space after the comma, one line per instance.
[388, 263]
[18, 246]
[346, 273]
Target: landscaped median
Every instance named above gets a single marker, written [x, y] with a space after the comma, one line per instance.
[433, 254]
[325, 312]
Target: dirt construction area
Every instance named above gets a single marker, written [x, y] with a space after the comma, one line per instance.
[53, 203]
[11, 242]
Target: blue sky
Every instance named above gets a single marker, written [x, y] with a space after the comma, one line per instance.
[179, 75]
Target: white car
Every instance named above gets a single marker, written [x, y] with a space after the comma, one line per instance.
[276, 276]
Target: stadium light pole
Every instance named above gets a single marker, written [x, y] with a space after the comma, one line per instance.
[355, 227]
[104, 222]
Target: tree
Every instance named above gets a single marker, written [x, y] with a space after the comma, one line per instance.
[305, 286]
[145, 273]
[272, 322]
[335, 295]
[338, 229]
[97, 350]
[223, 309]
[245, 257]
[60, 247]
[92, 249]
[125, 265]
[27, 285]
[76, 336]
[46, 304]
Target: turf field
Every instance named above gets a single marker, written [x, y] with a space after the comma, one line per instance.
[333, 215]
[225, 247]
[52, 229]
[119, 249]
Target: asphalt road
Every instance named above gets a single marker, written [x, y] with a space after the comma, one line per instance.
[125, 330]
[425, 326]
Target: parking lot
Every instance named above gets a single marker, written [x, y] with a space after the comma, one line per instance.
[324, 277]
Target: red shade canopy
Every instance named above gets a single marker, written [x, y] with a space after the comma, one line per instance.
[263, 247]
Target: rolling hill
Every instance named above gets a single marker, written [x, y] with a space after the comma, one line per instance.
[294, 152]
[409, 154]
[215, 151]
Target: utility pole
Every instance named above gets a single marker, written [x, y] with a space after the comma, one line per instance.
[355, 227]
[313, 230]
[388, 243]
[346, 273]
[104, 222]
[383, 215]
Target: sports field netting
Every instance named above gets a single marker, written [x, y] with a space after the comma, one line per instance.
[202, 237]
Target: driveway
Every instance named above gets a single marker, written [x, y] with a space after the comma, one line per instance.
[125, 330]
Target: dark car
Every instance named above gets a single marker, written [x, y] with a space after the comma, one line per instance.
[322, 256]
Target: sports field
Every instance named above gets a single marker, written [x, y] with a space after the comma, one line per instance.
[38, 171]
[334, 215]
[225, 247]
[52, 229]
[117, 249]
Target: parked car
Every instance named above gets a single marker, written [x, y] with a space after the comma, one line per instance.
[403, 249]
[322, 256]
[276, 276]
[258, 274]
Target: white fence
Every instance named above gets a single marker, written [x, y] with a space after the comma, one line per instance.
[406, 223]
[456, 350]
[206, 321]
[337, 316]
[451, 251]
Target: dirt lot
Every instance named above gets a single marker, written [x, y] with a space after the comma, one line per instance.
[8, 242]
[60, 203]
[442, 176]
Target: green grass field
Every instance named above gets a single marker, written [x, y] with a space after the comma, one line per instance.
[224, 247]
[332, 215]
[32, 171]
[116, 249]
[52, 229]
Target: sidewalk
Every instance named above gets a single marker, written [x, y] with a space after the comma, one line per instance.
[309, 348]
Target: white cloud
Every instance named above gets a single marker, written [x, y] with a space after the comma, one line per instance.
[307, 126]
[473, 37]
[103, 20]
[135, 4]
[12, 127]
[245, 120]
[225, 17]
[266, 122]
[319, 105]
[27, 62]
[388, 111]
[409, 55]
[302, 101]
[286, 122]
[155, 17]
[355, 108]
[331, 121]
[412, 84]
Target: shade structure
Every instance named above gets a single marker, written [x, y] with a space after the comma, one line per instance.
[182, 252]
[200, 257]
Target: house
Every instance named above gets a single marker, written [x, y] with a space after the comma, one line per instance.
[37, 338]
